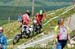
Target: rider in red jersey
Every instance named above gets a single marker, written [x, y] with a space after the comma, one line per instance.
[39, 18]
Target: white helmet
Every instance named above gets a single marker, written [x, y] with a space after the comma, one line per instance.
[35, 21]
[1, 29]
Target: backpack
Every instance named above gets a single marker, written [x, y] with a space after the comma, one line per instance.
[62, 33]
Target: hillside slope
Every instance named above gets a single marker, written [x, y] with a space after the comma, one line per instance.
[13, 28]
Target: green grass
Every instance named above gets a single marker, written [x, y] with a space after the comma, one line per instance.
[11, 29]
[3, 22]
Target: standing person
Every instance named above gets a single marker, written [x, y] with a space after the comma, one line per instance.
[20, 17]
[62, 34]
[3, 40]
[40, 17]
[26, 20]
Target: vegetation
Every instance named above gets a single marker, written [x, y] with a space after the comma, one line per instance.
[11, 8]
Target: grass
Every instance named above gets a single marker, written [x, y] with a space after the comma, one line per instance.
[3, 22]
[11, 29]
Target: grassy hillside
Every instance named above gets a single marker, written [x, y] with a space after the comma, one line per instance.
[2, 22]
[14, 29]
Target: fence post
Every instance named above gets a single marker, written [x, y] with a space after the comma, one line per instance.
[8, 19]
[32, 7]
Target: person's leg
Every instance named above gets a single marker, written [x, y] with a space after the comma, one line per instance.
[39, 28]
[4, 47]
[27, 29]
[22, 28]
[58, 45]
[64, 44]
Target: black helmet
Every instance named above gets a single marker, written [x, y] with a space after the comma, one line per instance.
[59, 20]
[28, 12]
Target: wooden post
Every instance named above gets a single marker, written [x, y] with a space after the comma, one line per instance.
[73, 2]
[8, 19]
[32, 7]
[69, 21]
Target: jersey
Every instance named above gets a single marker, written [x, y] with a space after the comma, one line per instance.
[39, 18]
[62, 32]
[25, 19]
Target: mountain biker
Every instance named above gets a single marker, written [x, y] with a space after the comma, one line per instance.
[3, 40]
[26, 20]
[39, 18]
[61, 34]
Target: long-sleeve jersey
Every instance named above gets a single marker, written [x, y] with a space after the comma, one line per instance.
[25, 19]
[3, 41]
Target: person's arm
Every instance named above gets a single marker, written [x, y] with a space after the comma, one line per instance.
[69, 37]
[18, 18]
[21, 18]
[55, 34]
[4, 41]
[28, 18]
[44, 16]
[69, 31]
